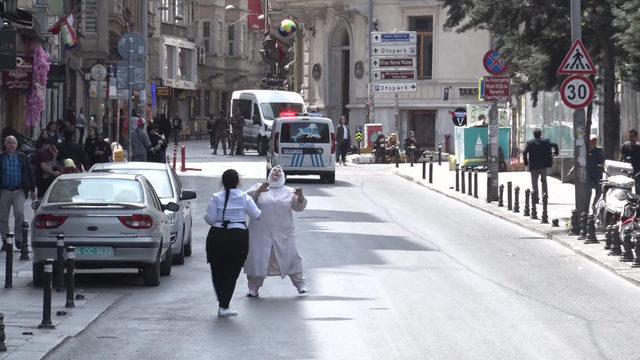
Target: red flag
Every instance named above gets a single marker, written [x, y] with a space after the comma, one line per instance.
[255, 10]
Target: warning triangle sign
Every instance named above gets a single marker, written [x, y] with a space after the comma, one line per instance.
[577, 61]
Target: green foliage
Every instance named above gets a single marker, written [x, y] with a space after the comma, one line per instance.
[627, 26]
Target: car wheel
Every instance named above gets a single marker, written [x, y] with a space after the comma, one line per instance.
[165, 266]
[331, 177]
[151, 273]
[38, 274]
[178, 259]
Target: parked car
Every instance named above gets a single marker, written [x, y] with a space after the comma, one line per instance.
[113, 220]
[169, 188]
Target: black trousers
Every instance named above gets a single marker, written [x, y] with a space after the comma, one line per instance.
[226, 253]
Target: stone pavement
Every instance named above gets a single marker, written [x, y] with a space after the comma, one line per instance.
[22, 308]
[561, 200]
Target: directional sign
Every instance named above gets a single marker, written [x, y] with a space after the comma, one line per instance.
[494, 63]
[396, 37]
[390, 87]
[359, 136]
[134, 42]
[394, 50]
[393, 74]
[122, 76]
[577, 92]
[394, 62]
[497, 88]
[577, 61]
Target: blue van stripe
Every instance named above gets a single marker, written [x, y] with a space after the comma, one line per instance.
[321, 160]
[301, 160]
[293, 159]
[316, 163]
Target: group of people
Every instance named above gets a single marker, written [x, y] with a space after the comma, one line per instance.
[264, 246]
[229, 133]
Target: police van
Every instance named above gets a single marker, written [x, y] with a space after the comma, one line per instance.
[303, 145]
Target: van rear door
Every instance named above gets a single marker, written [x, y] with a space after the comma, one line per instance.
[305, 144]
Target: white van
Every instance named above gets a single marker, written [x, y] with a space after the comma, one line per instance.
[260, 108]
[303, 145]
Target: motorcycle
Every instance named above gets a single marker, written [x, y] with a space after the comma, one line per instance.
[610, 208]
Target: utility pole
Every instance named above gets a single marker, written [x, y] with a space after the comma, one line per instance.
[579, 126]
[145, 36]
[370, 104]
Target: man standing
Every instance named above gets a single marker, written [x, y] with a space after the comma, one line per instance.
[81, 122]
[595, 159]
[537, 156]
[140, 142]
[630, 152]
[176, 128]
[46, 168]
[237, 126]
[343, 137]
[211, 132]
[16, 182]
[220, 128]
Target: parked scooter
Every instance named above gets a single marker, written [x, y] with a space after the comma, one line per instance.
[615, 193]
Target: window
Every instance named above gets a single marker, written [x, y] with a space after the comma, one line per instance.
[206, 35]
[96, 190]
[184, 66]
[170, 64]
[244, 106]
[198, 102]
[231, 37]
[305, 132]
[423, 25]
[166, 10]
[88, 17]
[270, 111]
[220, 47]
[158, 178]
[179, 12]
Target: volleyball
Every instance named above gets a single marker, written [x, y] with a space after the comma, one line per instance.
[287, 27]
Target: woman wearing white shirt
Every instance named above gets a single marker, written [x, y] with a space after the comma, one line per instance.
[228, 238]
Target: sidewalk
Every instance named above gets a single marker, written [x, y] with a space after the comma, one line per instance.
[22, 308]
[561, 202]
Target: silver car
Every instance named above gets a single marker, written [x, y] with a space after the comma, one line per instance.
[167, 185]
[113, 220]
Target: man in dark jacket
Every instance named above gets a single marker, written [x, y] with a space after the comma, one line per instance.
[595, 160]
[537, 156]
[176, 128]
[220, 129]
[16, 182]
[69, 149]
[237, 137]
[343, 138]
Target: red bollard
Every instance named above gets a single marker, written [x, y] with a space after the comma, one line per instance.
[183, 158]
[175, 155]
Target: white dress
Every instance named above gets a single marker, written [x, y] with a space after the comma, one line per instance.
[275, 229]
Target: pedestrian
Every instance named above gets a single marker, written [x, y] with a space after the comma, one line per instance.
[156, 151]
[69, 149]
[81, 122]
[96, 149]
[46, 166]
[272, 241]
[164, 126]
[630, 152]
[10, 131]
[379, 149]
[343, 136]
[237, 138]
[176, 128]
[538, 157]
[140, 142]
[228, 238]
[411, 146]
[595, 161]
[16, 183]
[71, 114]
[220, 128]
[211, 132]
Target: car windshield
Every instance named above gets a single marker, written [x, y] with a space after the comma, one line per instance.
[270, 111]
[159, 179]
[305, 132]
[92, 190]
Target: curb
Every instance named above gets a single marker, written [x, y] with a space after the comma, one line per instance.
[556, 235]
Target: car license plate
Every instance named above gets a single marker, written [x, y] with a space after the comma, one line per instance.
[94, 251]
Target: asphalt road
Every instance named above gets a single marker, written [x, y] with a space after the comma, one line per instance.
[394, 272]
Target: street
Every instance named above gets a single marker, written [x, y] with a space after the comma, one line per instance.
[394, 271]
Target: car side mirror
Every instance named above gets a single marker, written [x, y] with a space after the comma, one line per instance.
[188, 195]
[171, 207]
[35, 204]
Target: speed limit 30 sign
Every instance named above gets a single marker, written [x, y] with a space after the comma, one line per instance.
[577, 92]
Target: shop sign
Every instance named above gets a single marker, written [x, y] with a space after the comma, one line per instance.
[21, 77]
[7, 49]
[163, 91]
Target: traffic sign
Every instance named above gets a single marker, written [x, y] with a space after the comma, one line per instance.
[577, 92]
[459, 117]
[394, 74]
[393, 62]
[122, 75]
[396, 37]
[389, 87]
[494, 63]
[394, 50]
[497, 88]
[577, 61]
[359, 137]
[98, 72]
[134, 41]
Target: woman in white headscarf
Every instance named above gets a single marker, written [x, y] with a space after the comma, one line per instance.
[272, 241]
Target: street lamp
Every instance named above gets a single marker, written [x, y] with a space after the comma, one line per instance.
[232, 7]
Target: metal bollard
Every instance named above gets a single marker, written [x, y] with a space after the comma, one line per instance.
[545, 214]
[440, 154]
[527, 196]
[463, 189]
[583, 226]
[509, 195]
[501, 196]
[607, 237]
[636, 263]
[430, 169]
[575, 222]
[516, 199]
[424, 167]
[8, 267]
[24, 244]
[470, 178]
[60, 263]
[46, 301]
[71, 282]
[397, 156]
[3, 336]
[410, 158]
[616, 243]
[457, 178]
[534, 210]
[591, 230]
[489, 188]
[627, 245]
[475, 183]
